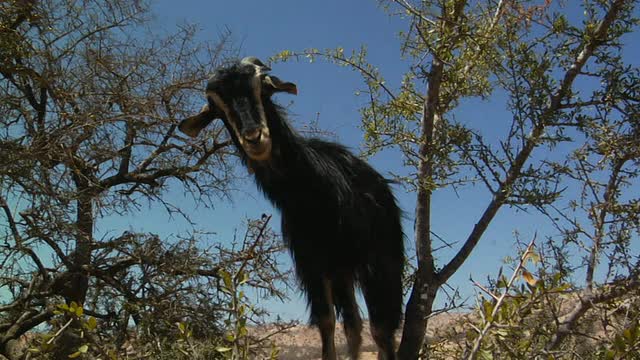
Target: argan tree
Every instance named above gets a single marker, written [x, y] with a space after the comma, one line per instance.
[571, 96]
[89, 101]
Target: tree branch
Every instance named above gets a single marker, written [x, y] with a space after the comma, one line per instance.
[142, 176]
[587, 300]
[603, 211]
[498, 302]
[24, 323]
[555, 104]
[424, 287]
[18, 239]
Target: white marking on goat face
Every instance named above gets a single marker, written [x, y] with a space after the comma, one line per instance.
[254, 136]
[257, 93]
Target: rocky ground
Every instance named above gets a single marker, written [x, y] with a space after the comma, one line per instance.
[303, 342]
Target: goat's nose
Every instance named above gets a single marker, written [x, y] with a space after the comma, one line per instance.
[253, 135]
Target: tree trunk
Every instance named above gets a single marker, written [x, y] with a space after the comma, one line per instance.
[416, 320]
[82, 255]
[75, 284]
[424, 288]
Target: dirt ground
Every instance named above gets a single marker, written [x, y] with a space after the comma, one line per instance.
[303, 342]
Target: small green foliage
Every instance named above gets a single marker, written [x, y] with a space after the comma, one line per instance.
[68, 317]
[560, 24]
[91, 323]
[237, 340]
[81, 350]
[625, 344]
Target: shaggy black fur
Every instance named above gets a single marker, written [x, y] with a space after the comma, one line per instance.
[340, 221]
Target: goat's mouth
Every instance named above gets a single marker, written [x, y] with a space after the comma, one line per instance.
[258, 146]
[260, 151]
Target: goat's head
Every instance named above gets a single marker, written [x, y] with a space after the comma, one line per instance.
[235, 94]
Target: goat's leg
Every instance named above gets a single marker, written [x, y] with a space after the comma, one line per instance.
[323, 315]
[327, 325]
[384, 339]
[345, 300]
[382, 290]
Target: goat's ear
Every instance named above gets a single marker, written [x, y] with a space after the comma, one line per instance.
[279, 85]
[194, 124]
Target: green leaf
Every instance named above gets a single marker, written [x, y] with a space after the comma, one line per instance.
[502, 282]
[226, 279]
[284, 55]
[91, 323]
[618, 343]
[245, 278]
[630, 334]
[243, 332]
[223, 349]
[502, 333]
[560, 24]
[485, 354]
[81, 350]
[487, 308]
[504, 310]
[609, 355]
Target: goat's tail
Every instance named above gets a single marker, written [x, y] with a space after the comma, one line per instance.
[382, 290]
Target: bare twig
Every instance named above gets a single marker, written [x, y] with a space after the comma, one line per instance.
[60, 331]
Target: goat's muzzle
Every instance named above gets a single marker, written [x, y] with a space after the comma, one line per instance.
[257, 143]
[252, 136]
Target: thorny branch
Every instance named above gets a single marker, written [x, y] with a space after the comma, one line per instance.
[89, 110]
[498, 302]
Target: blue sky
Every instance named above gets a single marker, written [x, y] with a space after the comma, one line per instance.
[327, 93]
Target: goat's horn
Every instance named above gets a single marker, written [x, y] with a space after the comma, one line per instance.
[252, 60]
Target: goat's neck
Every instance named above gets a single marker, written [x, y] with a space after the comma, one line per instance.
[288, 152]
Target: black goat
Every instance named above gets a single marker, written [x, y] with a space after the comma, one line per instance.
[340, 219]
